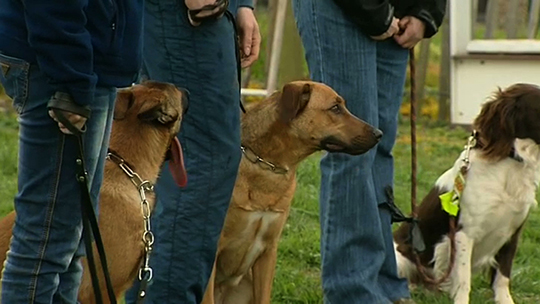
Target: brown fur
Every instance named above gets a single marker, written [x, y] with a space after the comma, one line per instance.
[502, 119]
[284, 129]
[147, 117]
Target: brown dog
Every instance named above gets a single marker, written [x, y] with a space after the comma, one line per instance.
[147, 118]
[277, 134]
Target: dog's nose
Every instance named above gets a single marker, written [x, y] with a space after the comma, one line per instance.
[377, 133]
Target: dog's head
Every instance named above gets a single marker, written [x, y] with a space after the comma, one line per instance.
[152, 104]
[513, 113]
[319, 117]
[150, 114]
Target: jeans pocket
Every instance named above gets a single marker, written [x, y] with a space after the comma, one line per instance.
[14, 79]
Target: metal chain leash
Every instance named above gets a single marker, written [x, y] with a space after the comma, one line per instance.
[148, 237]
[144, 186]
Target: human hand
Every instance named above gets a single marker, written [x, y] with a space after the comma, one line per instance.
[391, 31]
[250, 37]
[76, 120]
[194, 5]
[412, 31]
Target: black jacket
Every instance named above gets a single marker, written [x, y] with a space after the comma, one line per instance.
[374, 16]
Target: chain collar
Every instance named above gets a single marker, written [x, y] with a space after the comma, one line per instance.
[254, 158]
[143, 186]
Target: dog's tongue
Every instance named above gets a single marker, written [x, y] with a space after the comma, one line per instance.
[176, 163]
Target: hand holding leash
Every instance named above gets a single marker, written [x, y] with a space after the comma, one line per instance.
[71, 117]
[411, 32]
[200, 10]
[76, 120]
[391, 31]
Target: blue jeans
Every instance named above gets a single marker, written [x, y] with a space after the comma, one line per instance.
[44, 260]
[188, 221]
[358, 262]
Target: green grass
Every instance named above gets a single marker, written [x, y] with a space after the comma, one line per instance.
[298, 269]
[8, 161]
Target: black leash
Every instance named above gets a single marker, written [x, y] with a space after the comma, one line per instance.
[237, 53]
[59, 103]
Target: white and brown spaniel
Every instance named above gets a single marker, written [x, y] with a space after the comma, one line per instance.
[500, 192]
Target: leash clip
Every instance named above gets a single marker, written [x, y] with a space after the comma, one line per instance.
[471, 143]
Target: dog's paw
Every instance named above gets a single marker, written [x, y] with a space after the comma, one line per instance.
[507, 299]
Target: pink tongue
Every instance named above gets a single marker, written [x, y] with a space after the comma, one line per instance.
[176, 164]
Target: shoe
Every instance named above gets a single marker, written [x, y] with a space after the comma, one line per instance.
[405, 301]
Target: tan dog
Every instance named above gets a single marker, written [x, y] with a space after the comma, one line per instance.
[147, 118]
[277, 134]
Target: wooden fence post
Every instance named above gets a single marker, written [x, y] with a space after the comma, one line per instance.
[277, 40]
[492, 16]
[534, 14]
[422, 67]
[474, 15]
[444, 76]
[512, 20]
[291, 66]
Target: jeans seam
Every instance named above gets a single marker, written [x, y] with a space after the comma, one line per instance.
[328, 222]
[24, 87]
[166, 291]
[48, 221]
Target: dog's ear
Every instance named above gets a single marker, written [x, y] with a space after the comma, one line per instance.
[124, 101]
[158, 111]
[294, 99]
[496, 124]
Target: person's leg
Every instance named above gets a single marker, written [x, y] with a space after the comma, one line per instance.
[188, 221]
[42, 264]
[352, 245]
[96, 147]
[391, 71]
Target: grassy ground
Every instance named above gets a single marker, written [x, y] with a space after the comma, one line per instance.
[298, 272]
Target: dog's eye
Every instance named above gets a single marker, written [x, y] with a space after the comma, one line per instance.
[336, 109]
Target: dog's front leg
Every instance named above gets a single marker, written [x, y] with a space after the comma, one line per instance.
[461, 274]
[263, 275]
[500, 279]
[501, 288]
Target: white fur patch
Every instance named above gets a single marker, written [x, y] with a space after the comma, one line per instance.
[266, 218]
[501, 289]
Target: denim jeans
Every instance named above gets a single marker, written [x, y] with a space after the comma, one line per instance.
[43, 263]
[187, 221]
[358, 262]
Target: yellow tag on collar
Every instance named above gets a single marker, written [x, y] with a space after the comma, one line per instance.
[449, 203]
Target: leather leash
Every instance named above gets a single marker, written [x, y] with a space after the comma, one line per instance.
[89, 220]
[238, 56]
[416, 235]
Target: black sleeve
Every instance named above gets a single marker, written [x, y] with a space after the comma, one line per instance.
[431, 12]
[372, 16]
